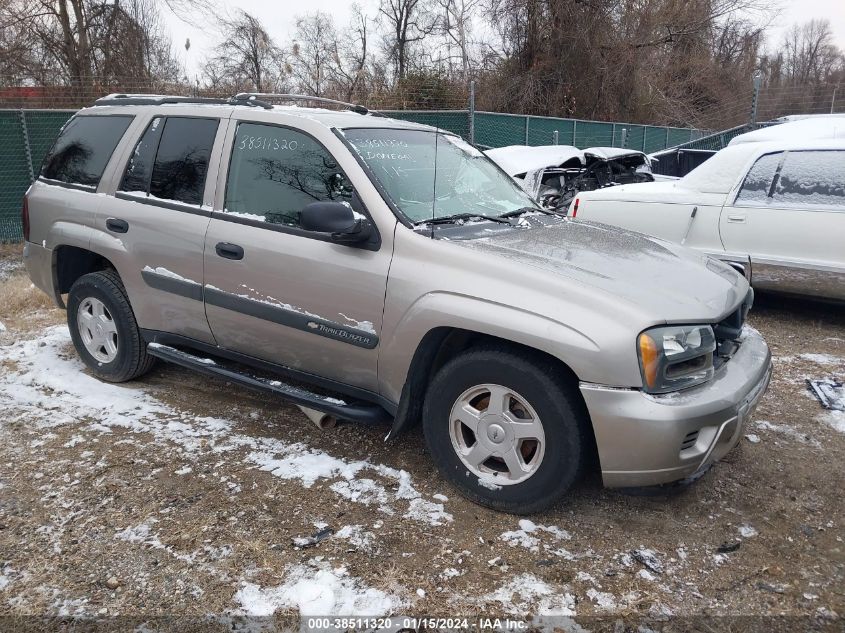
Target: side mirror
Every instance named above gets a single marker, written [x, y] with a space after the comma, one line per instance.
[336, 218]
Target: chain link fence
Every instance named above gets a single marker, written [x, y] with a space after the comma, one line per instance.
[25, 137]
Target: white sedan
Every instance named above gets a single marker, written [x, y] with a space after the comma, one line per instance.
[774, 208]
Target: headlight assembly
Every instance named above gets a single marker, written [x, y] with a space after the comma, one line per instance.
[676, 356]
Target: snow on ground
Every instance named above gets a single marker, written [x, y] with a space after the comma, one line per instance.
[45, 375]
[526, 589]
[528, 534]
[49, 378]
[9, 267]
[317, 589]
[788, 431]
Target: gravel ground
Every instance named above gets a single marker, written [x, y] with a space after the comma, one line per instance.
[179, 495]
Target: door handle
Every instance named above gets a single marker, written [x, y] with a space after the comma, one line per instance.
[116, 225]
[736, 219]
[229, 251]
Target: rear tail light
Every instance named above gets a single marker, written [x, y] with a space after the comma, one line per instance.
[25, 218]
[575, 207]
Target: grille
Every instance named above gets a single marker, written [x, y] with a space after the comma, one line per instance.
[689, 440]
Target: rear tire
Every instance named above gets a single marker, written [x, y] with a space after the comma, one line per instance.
[103, 328]
[535, 439]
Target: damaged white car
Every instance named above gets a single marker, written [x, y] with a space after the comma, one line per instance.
[554, 174]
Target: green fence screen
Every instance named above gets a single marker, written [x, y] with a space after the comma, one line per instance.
[26, 135]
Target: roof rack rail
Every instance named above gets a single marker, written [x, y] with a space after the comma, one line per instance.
[252, 96]
[153, 99]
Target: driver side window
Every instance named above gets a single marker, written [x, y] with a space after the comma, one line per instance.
[274, 172]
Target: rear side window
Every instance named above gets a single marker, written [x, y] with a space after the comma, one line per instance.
[83, 149]
[811, 179]
[755, 189]
[274, 172]
[170, 161]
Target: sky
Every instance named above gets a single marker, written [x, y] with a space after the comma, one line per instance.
[279, 19]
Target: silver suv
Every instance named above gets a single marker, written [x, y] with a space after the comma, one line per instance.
[382, 270]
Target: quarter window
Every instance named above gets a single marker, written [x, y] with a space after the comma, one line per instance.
[811, 179]
[755, 189]
[83, 149]
[274, 172]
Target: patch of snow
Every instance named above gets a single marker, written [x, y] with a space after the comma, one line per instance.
[834, 419]
[7, 576]
[364, 326]
[522, 592]
[316, 590]
[747, 531]
[754, 439]
[604, 601]
[164, 272]
[2, 327]
[823, 359]
[183, 471]
[645, 574]
[788, 431]
[357, 536]
[487, 482]
[525, 535]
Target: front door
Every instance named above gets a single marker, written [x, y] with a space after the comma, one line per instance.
[280, 293]
[789, 217]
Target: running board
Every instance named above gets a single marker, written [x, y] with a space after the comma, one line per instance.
[340, 409]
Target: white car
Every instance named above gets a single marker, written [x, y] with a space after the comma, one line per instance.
[775, 208]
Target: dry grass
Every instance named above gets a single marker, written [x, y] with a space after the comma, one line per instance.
[20, 298]
[10, 251]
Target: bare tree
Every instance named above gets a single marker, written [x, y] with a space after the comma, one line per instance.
[809, 53]
[351, 55]
[80, 41]
[246, 56]
[313, 53]
[455, 26]
[408, 22]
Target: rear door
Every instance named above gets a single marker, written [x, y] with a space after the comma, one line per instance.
[280, 293]
[789, 217]
[153, 229]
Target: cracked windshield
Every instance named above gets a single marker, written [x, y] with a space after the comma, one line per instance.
[430, 175]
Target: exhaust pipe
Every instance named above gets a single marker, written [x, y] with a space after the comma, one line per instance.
[323, 421]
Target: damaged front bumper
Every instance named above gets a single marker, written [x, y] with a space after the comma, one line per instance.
[645, 440]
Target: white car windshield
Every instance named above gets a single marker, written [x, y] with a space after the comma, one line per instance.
[430, 175]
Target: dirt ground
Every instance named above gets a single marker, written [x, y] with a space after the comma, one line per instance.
[181, 495]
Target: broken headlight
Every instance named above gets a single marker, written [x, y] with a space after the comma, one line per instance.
[676, 356]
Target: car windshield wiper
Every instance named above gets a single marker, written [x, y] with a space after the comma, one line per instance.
[524, 210]
[451, 219]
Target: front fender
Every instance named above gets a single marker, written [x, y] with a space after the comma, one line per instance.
[451, 310]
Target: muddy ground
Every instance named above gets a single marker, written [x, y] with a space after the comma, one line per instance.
[182, 495]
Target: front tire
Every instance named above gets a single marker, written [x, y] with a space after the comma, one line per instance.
[103, 328]
[506, 429]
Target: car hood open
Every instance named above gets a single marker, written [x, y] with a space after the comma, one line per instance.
[668, 281]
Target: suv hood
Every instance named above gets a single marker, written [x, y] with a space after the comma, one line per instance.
[666, 281]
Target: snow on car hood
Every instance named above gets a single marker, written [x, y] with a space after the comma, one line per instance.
[668, 281]
[612, 153]
[519, 159]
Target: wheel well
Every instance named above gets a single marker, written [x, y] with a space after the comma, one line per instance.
[71, 262]
[439, 346]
